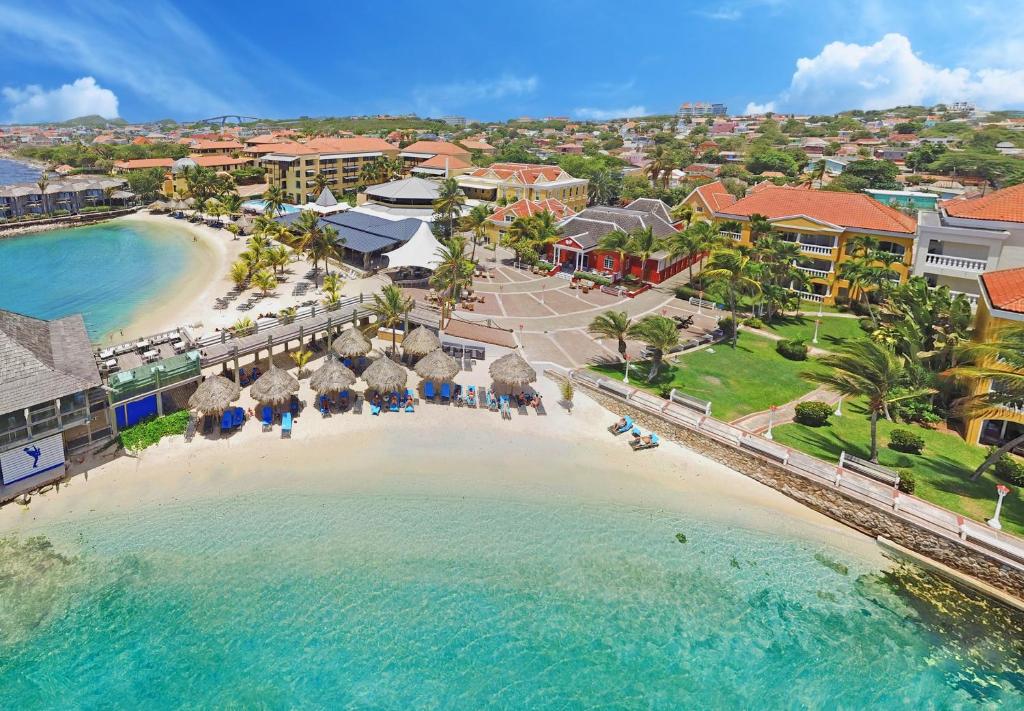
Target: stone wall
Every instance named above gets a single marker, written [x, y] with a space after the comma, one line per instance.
[845, 508]
[30, 226]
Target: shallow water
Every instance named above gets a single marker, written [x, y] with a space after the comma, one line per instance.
[107, 272]
[12, 171]
[294, 601]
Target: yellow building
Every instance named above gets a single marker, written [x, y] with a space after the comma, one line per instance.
[524, 181]
[501, 219]
[705, 200]
[293, 166]
[1001, 304]
[824, 223]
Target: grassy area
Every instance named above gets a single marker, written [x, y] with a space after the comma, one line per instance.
[149, 432]
[833, 331]
[749, 378]
[941, 471]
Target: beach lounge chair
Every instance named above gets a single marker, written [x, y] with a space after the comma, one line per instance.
[374, 409]
[471, 396]
[361, 363]
[492, 402]
[446, 392]
[639, 444]
[286, 425]
[237, 417]
[616, 430]
[457, 395]
[267, 418]
[293, 406]
[428, 390]
[325, 406]
[409, 401]
[225, 421]
[393, 402]
[540, 406]
[347, 362]
[343, 399]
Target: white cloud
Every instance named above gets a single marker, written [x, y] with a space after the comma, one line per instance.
[888, 73]
[440, 98]
[83, 97]
[607, 114]
[753, 108]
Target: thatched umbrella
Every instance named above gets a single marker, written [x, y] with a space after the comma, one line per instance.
[385, 375]
[419, 342]
[214, 395]
[512, 370]
[275, 387]
[351, 343]
[244, 224]
[332, 377]
[437, 366]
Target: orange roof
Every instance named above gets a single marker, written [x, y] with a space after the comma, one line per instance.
[849, 210]
[1006, 205]
[141, 141]
[216, 145]
[715, 195]
[212, 161]
[475, 145]
[435, 148]
[362, 144]
[261, 148]
[528, 208]
[142, 163]
[528, 173]
[445, 161]
[1005, 289]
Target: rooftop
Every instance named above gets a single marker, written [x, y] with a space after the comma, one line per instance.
[1006, 205]
[1005, 289]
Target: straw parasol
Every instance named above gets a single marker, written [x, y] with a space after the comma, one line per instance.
[214, 395]
[512, 370]
[244, 224]
[351, 343]
[332, 377]
[419, 342]
[385, 375]
[437, 366]
[275, 387]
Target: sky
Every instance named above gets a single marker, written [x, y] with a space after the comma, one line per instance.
[599, 59]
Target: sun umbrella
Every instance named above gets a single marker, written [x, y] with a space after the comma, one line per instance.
[275, 387]
[351, 343]
[332, 377]
[437, 366]
[419, 342]
[214, 395]
[385, 375]
[512, 370]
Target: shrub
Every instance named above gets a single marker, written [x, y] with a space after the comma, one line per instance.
[753, 322]
[907, 481]
[867, 325]
[1010, 469]
[727, 325]
[813, 413]
[546, 266]
[906, 441]
[149, 432]
[686, 292]
[594, 278]
[793, 349]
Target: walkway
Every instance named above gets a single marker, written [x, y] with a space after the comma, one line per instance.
[757, 422]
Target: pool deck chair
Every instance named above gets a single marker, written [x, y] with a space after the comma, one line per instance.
[638, 445]
[374, 409]
[225, 421]
[428, 390]
[267, 418]
[410, 400]
[325, 406]
[286, 425]
[446, 392]
[620, 430]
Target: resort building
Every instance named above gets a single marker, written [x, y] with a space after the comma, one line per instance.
[965, 238]
[442, 166]
[705, 200]
[1001, 304]
[214, 148]
[420, 152]
[580, 235]
[292, 166]
[64, 196]
[410, 197]
[175, 184]
[524, 181]
[472, 144]
[701, 109]
[823, 223]
[49, 384]
[502, 218]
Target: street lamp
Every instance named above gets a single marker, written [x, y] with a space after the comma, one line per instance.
[839, 407]
[994, 521]
[771, 422]
[817, 322]
[625, 378]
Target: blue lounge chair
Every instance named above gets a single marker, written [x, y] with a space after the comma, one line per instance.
[446, 392]
[374, 409]
[616, 430]
[267, 418]
[393, 402]
[409, 401]
[343, 399]
[361, 363]
[293, 407]
[471, 396]
[325, 405]
[638, 444]
[225, 420]
[286, 424]
[237, 417]
[347, 362]
[428, 390]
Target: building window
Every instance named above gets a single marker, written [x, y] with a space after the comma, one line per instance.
[609, 262]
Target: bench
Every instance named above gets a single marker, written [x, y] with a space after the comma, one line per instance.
[767, 449]
[615, 387]
[868, 469]
[688, 401]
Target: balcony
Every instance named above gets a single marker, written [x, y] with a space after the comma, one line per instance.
[809, 296]
[973, 298]
[734, 236]
[974, 266]
[816, 273]
[816, 249]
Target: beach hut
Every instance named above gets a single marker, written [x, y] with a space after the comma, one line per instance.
[275, 387]
[385, 375]
[512, 370]
[351, 343]
[214, 395]
[437, 367]
[420, 342]
[332, 377]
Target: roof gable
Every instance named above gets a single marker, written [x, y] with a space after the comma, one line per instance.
[1006, 205]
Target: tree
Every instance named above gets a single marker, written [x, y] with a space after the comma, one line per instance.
[146, 183]
[695, 240]
[390, 307]
[737, 273]
[603, 187]
[301, 359]
[770, 159]
[612, 324]
[43, 183]
[453, 273]
[682, 213]
[616, 241]
[642, 244]
[232, 203]
[869, 370]
[998, 362]
[265, 281]
[278, 257]
[448, 204]
[867, 270]
[476, 221]
[239, 274]
[658, 332]
[273, 200]
[320, 183]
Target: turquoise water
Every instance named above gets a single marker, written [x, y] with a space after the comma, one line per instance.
[107, 272]
[420, 602]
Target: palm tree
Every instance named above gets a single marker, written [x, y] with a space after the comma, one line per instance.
[308, 237]
[817, 173]
[616, 241]
[870, 370]
[602, 187]
[239, 274]
[521, 236]
[232, 203]
[332, 290]
[278, 257]
[866, 270]
[452, 273]
[265, 281]
[301, 359]
[999, 364]
[215, 209]
[694, 241]
[642, 244]
[612, 324]
[390, 307]
[449, 202]
[759, 225]
[476, 221]
[658, 332]
[682, 213]
[660, 166]
[320, 183]
[273, 200]
[739, 275]
[43, 183]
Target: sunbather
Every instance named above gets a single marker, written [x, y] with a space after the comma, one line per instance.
[535, 401]
[621, 423]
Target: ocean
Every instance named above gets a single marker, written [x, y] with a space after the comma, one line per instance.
[16, 172]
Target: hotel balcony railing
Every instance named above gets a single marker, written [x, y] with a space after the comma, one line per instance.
[964, 264]
[973, 298]
[816, 249]
[809, 296]
[816, 273]
[735, 236]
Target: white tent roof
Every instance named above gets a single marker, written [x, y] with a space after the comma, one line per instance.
[419, 251]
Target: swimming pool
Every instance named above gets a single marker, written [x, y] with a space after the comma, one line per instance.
[261, 205]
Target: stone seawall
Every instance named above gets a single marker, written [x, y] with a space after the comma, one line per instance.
[58, 223]
[841, 506]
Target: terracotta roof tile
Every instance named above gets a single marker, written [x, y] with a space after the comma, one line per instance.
[526, 173]
[1006, 205]
[715, 195]
[315, 146]
[1005, 289]
[850, 210]
[435, 148]
[528, 208]
[439, 161]
[143, 163]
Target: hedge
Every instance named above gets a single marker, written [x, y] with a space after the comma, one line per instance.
[793, 349]
[813, 413]
[595, 278]
[906, 441]
[149, 432]
[1010, 469]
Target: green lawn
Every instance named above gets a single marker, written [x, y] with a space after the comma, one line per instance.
[751, 378]
[833, 332]
[941, 471]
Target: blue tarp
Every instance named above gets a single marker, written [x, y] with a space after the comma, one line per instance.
[136, 411]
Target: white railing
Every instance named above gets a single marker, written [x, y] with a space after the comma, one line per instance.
[973, 298]
[735, 236]
[962, 263]
[809, 296]
[816, 249]
[817, 273]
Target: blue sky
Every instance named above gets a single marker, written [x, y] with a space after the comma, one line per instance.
[190, 60]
